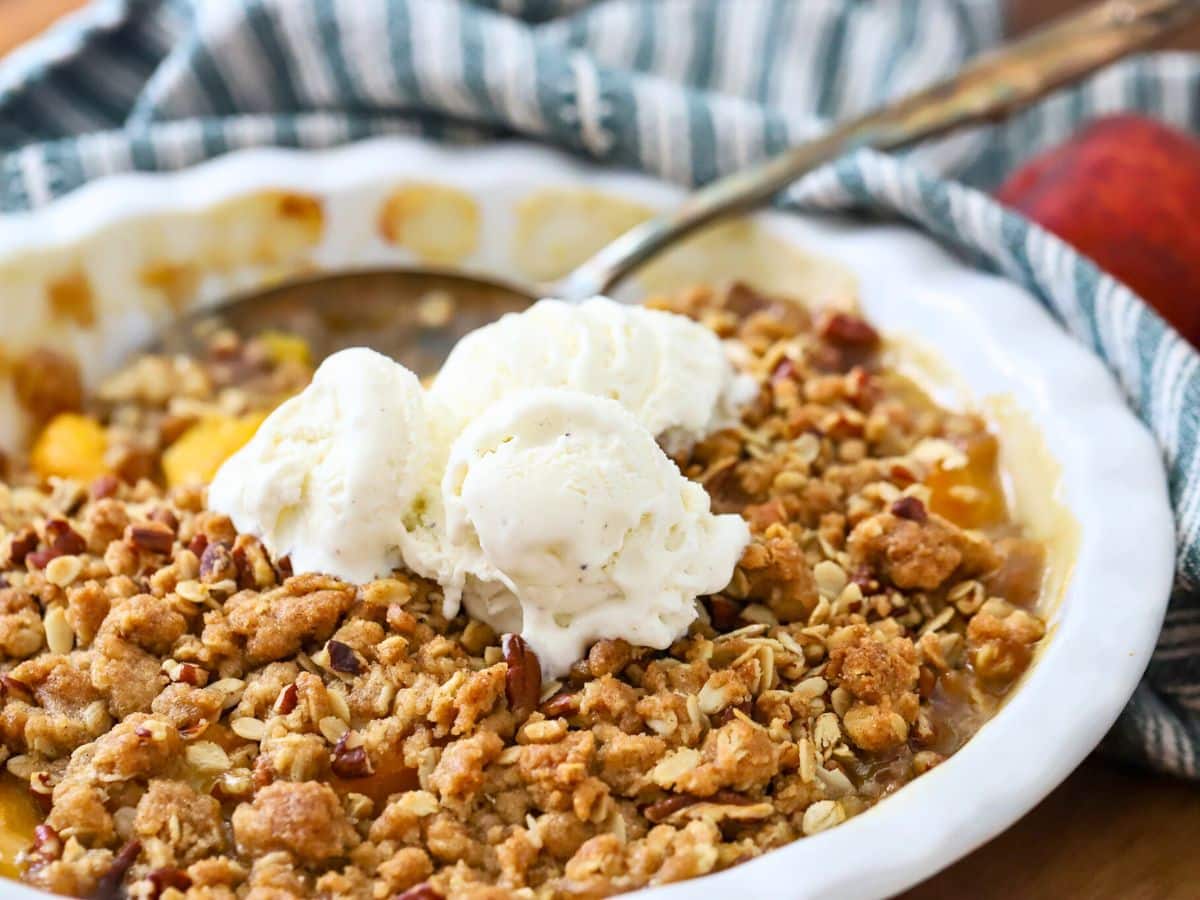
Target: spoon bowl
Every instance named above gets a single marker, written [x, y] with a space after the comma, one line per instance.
[413, 316]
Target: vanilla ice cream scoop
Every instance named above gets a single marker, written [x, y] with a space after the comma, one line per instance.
[671, 373]
[527, 481]
[570, 524]
[340, 477]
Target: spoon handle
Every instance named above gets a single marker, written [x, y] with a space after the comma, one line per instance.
[986, 89]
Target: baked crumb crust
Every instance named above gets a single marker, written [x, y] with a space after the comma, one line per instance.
[194, 720]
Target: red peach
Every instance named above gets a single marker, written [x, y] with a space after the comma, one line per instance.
[1125, 191]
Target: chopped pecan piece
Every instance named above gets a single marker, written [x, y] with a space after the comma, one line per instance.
[744, 300]
[198, 544]
[910, 508]
[185, 673]
[164, 516]
[39, 559]
[21, 544]
[342, 658]
[61, 540]
[104, 487]
[725, 614]
[109, 887]
[564, 703]
[663, 809]
[254, 569]
[217, 563]
[847, 330]
[153, 537]
[348, 761]
[523, 680]
[41, 789]
[729, 713]
[286, 701]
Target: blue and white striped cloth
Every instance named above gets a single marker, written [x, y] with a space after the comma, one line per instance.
[687, 89]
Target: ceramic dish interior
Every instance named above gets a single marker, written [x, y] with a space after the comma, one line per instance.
[98, 273]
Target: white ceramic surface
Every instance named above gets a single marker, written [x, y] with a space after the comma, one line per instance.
[993, 335]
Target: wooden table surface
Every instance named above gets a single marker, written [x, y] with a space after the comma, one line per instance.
[1107, 832]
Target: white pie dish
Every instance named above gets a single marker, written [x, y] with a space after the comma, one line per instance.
[533, 212]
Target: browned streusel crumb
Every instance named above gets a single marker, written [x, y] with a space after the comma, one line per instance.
[196, 721]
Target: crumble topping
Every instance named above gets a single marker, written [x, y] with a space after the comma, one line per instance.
[190, 719]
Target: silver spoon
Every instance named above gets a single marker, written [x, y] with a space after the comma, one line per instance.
[417, 315]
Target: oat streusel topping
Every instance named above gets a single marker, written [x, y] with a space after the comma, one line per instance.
[189, 719]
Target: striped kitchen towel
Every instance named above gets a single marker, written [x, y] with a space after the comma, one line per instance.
[687, 89]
